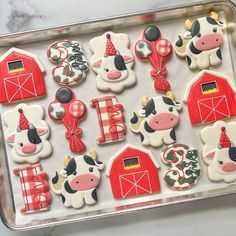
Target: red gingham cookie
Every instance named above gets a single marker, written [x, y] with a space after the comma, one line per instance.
[164, 47]
[77, 109]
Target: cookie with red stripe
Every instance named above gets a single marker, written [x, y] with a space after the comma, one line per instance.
[153, 48]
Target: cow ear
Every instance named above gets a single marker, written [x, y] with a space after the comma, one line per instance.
[100, 165]
[210, 155]
[128, 59]
[97, 64]
[178, 106]
[11, 138]
[41, 131]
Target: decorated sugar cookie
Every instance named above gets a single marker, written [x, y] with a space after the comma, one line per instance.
[201, 43]
[66, 109]
[210, 96]
[21, 76]
[112, 61]
[156, 121]
[35, 188]
[27, 133]
[71, 63]
[111, 119]
[219, 151]
[133, 172]
[184, 165]
[157, 51]
[78, 181]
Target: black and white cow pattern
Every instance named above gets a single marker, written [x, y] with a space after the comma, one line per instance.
[78, 181]
[156, 121]
[201, 44]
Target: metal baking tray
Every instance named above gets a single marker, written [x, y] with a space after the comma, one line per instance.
[170, 21]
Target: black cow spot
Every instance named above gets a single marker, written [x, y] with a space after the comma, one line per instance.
[150, 107]
[193, 49]
[188, 59]
[232, 154]
[63, 199]
[134, 119]
[141, 137]
[94, 195]
[33, 136]
[172, 134]
[89, 160]
[119, 63]
[68, 188]
[218, 53]
[168, 101]
[64, 95]
[71, 167]
[211, 21]
[148, 128]
[195, 28]
[152, 33]
[179, 42]
[55, 178]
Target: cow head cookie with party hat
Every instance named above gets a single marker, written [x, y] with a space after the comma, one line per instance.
[112, 61]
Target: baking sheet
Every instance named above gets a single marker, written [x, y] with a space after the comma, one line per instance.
[178, 76]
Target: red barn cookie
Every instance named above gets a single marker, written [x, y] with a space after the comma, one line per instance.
[111, 119]
[69, 111]
[133, 171]
[157, 51]
[35, 188]
[210, 96]
[21, 76]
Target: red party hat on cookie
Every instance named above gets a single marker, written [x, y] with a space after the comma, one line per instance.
[224, 139]
[110, 48]
[23, 122]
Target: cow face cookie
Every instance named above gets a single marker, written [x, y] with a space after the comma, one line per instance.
[210, 96]
[21, 76]
[71, 63]
[201, 44]
[219, 151]
[78, 181]
[156, 120]
[113, 62]
[69, 111]
[157, 51]
[27, 133]
[185, 169]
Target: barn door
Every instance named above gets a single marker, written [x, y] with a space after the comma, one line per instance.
[213, 109]
[135, 184]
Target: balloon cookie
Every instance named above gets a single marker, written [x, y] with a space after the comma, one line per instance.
[35, 188]
[27, 133]
[112, 61]
[21, 77]
[156, 120]
[66, 109]
[71, 63]
[78, 181]
[157, 51]
[185, 169]
[210, 96]
[219, 151]
[201, 44]
[111, 119]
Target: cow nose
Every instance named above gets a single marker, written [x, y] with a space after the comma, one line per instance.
[209, 41]
[114, 74]
[29, 148]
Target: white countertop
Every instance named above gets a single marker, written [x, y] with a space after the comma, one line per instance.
[208, 217]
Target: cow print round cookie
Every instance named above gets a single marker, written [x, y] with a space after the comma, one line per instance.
[112, 61]
[71, 63]
[78, 180]
[156, 121]
[27, 133]
[219, 151]
[201, 44]
[184, 165]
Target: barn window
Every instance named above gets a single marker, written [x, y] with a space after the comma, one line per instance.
[131, 163]
[15, 66]
[209, 88]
